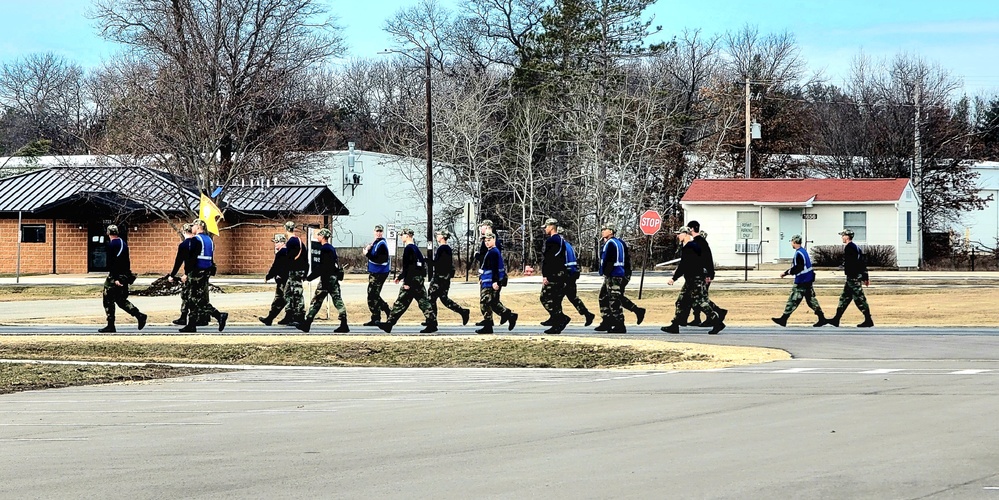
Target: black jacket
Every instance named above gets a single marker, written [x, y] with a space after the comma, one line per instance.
[119, 264]
[413, 264]
[298, 254]
[328, 264]
[553, 265]
[183, 250]
[444, 262]
[706, 258]
[279, 269]
[691, 266]
[853, 262]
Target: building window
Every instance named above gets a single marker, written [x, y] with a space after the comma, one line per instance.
[33, 233]
[747, 226]
[858, 222]
[908, 227]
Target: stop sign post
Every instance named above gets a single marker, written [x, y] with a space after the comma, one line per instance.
[650, 222]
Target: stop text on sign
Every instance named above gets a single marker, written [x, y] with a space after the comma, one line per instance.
[650, 222]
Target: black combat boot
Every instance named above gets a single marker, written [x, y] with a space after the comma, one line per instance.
[639, 315]
[671, 328]
[182, 320]
[717, 325]
[782, 320]
[141, 318]
[512, 318]
[305, 325]
[559, 325]
[822, 320]
[343, 328]
[267, 320]
[465, 313]
[603, 326]
[375, 320]
[834, 321]
[868, 322]
[548, 322]
[589, 318]
[431, 327]
[617, 327]
[286, 320]
[386, 326]
[481, 323]
[696, 321]
[222, 318]
[487, 327]
[109, 328]
[721, 314]
[192, 325]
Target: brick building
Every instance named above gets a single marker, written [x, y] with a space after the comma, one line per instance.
[61, 214]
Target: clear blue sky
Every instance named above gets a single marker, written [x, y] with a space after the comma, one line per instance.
[960, 35]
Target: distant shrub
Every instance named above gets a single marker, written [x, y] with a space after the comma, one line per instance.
[875, 255]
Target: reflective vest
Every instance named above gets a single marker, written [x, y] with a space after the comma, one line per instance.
[807, 275]
[376, 267]
[618, 270]
[207, 252]
[570, 258]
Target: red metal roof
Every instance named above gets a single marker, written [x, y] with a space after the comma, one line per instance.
[794, 190]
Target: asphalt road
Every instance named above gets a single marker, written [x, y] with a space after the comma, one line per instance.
[882, 413]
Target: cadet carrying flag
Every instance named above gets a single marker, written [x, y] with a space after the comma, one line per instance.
[210, 214]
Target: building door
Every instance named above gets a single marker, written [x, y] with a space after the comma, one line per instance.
[97, 248]
[790, 225]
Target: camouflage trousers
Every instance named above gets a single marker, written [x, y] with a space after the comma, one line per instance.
[329, 286]
[626, 303]
[693, 295]
[375, 302]
[185, 297]
[610, 298]
[116, 295]
[489, 303]
[278, 303]
[806, 291]
[707, 295]
[198, 305]
[552, 295]
[573, 297]
[294, 296]
[439, 287]
[854, 290]
[415, 291]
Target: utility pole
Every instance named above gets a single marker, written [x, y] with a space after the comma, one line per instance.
[749, 136]
[916, 175]
[430, 171]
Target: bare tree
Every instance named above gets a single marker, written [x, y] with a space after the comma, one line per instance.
[41, 96]
[214, 90]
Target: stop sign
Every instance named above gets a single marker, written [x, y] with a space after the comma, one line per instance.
[650, 222]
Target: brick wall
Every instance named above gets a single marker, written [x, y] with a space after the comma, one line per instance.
[243, 249]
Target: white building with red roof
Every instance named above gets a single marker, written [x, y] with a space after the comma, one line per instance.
[756, 218]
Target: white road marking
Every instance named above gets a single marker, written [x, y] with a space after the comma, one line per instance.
[795, 370]
[881, 371]
[969, 372]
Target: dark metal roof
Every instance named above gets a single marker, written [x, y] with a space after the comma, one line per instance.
[137, 188]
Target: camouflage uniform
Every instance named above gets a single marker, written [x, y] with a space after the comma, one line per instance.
[571, 294]
[693, 295]
[439, 288]
[114, 294]
[610, 298]
[278, 303]
[854, 290]
[293, 294]
[376, 304]
[416, 291]
[806, 291]
[199, 304]
[489, 302]
[328, 286]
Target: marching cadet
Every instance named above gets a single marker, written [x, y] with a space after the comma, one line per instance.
[414, 271]
[443, 269]
[701, 238]
[485, 227]
[572, 276]
[185, 291]
[492, 277]
[691, 268]
[279, 272]
[804, 277]
[297, 259]
[329, 273]
[116, 284]
[856, 279]
[554, 275]
[377, 253]
[626, 303]
[199, 266]
[612, 268]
